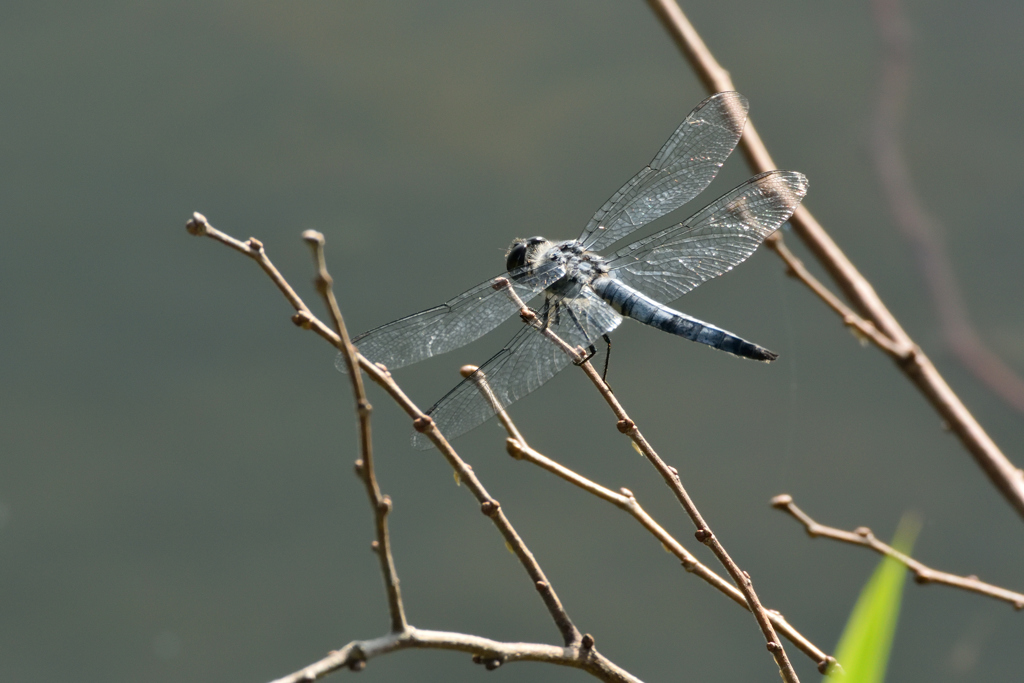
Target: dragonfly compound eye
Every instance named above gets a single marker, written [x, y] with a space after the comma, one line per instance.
[516, 256]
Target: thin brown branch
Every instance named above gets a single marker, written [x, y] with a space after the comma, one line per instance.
[626, 501]
[671, 476]
[489, 653]
[304, 318]
[381, 504]
[909, 358]
[862, 536]
[919, 227]
[862, 327]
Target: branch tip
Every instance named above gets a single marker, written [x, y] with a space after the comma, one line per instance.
[826, 665]
[782, 501]
[197, 225]
[314, 237]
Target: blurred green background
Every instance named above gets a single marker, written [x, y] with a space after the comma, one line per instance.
[176, 491]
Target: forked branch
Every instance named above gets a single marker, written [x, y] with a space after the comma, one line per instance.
[489, 653]
[892, 338]
[671, 477]
[579, 650]
[923, 574]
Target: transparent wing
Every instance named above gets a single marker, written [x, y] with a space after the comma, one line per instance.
[686, 164]
[529, 360]
[723, 234]
[455, 323]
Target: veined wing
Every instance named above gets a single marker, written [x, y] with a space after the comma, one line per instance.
[712, 241]
[529, 360]
[686, 164]
[454, 323]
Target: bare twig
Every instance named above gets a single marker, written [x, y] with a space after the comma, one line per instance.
[490, 653]
[862, 536]
[304, 318]
[626, 501]
[919, 227]
[671, 476]
[380, 503]
[909, 358]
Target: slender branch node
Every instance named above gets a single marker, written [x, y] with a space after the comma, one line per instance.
[422, 423]
[514, 448]
[364, 407]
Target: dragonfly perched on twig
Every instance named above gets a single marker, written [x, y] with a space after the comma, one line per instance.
[586, 295]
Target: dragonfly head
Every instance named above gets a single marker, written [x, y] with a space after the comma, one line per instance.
[521, 251]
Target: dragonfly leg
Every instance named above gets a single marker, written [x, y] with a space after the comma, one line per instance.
[607, 357]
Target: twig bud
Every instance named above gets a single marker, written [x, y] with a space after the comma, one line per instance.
[703, 535]
[862, 531]
[826, 665]
[541, 586]
[782, 500]
[375, 546]
[385, 504]
[467, 370]
[490, 507]
[359, 466]
[422, 423]
[355, 665]
[254, 244]
[624, 425]
[197, 225]
[773, 647]
[313, 236]
[492, 664]
[302, 319]
[587, 642]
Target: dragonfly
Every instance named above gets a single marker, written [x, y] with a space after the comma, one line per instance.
[587, 295]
